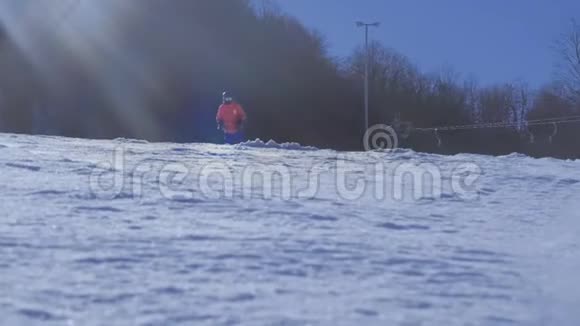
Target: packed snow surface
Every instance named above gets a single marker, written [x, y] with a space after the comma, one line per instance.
[127, 232]
[258, 143]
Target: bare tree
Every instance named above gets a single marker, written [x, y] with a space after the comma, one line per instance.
[569, 68]
[496, 103]
[523, 103]
[389, 70]
[517, 102]
[395, 83]
[471, 89]
[266, 8]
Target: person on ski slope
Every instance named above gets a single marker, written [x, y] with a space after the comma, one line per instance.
[230, 118]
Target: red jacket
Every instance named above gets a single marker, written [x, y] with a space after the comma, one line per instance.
[231, 116]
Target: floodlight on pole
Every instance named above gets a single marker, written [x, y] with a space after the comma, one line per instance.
[367, 59]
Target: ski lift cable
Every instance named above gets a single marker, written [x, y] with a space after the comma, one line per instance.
[503, 124]
[554, 123]
[537, 122]
[557, 118]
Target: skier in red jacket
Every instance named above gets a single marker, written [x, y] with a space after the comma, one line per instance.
[230, 118]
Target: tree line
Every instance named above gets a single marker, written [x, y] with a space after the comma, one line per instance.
[155, 70]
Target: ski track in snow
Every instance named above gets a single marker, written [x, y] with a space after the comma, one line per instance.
[509, 256]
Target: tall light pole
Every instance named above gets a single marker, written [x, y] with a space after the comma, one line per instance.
[367, 59]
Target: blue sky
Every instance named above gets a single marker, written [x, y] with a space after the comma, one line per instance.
[491, 40]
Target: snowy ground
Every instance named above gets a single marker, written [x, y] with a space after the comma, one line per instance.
[163, 239]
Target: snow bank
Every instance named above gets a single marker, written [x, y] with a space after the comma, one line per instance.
[515, 156]
[504, 241]
[258, 143]
[130, 141]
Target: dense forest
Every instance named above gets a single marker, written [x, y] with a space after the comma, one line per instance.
[155, 70]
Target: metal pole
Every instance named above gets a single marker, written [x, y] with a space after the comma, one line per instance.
[367, 64]
[367, 77]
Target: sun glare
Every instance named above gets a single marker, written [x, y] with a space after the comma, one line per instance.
[89, 33]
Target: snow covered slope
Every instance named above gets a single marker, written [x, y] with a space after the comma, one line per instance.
[125, 232]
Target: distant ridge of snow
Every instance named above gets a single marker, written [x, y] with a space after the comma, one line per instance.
[515, 156]
[258, 143]
[130, 141]
[524, 157]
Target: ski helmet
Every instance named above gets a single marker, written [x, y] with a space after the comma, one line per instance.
[227, 97]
